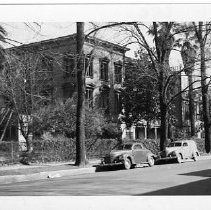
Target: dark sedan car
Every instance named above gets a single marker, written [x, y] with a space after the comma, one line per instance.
[129, 155]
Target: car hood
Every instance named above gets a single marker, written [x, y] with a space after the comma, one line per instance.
[171, 149]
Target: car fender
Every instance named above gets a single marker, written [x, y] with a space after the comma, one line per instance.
[125, 156]
[155, 156]
[177, 152]
[150, 154]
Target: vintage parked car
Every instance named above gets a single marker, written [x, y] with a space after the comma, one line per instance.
[180, 150]
[129, 155]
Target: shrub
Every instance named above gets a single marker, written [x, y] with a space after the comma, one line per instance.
[60, 118]
[94, 122]
[181, 133]
[111, 130]
[151, 144]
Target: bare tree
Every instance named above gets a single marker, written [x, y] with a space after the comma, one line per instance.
[163, 42]
[159, 57]
[188, 53]
[202, 30]
[24, 86]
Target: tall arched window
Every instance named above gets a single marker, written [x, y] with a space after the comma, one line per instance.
[69, 66]
[89, 66]
[89, 97]
[118, 72]
[104, 69]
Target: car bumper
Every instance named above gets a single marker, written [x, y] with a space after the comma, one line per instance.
[167, 158]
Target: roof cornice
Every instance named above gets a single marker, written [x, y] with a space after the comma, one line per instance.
[91, 40]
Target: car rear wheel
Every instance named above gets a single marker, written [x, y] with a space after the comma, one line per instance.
[151, 161]
[179, 158]
[127, 164]
[195, 155]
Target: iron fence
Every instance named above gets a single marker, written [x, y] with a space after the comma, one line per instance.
[9, 152]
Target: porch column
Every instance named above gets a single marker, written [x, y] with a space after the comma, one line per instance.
[145, 132]
[156, 133]
[134, 132]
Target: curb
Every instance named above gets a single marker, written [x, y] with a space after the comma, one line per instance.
[45, 175]
[205, 157]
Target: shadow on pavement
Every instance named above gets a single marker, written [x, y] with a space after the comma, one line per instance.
[162, 162]
[203, 173]
[117, 167]
[201, 187]
[108, 168]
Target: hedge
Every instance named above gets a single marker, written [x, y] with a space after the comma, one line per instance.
[63, 149]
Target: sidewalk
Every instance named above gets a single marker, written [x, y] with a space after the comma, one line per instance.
[20, 173]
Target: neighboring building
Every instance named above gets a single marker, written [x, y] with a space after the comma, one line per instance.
[141, 129]
[151, 130]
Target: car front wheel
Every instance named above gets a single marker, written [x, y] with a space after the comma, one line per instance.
[151, 161]
[127, 163]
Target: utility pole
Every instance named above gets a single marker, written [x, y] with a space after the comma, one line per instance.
[80, 115]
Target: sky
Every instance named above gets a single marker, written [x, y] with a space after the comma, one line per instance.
[31, 32]
[27, 32]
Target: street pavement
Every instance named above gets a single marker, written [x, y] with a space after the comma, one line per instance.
[189, 178]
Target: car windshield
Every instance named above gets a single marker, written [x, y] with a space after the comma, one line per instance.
[175, 144]
[125, 147]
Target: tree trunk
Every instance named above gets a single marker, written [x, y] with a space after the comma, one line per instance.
[191, 104]
[205, 99]
[27, 134]
[29, 143]
[80, 115]
[163, 111]
[163, 125]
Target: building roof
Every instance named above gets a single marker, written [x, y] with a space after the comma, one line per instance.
[90, 39]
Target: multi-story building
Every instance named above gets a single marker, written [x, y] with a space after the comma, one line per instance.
[103, 61]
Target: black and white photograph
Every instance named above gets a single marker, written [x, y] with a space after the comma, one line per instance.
[98, 107]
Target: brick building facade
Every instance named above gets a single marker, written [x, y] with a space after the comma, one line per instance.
[103, 61]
